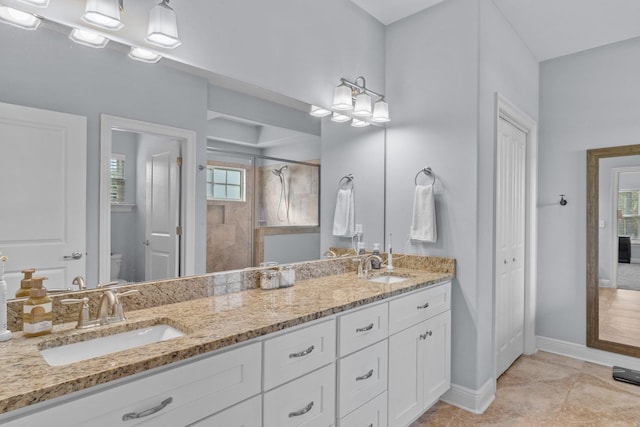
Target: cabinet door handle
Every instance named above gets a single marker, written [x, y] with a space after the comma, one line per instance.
[365, 329]
[301, 411]
[425, 335]
[160, 407]
[301, 353]
[365, 376]
[426, 305]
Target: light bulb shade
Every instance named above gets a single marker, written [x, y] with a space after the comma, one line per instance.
[103, 13]
[163, 27]
[363, 105]
[380, 112]
[342, 99]
[319, 111]
[357, 123]
[339, 118]
[18, 18]
[144, 55]
[88, 38]
[38, 3]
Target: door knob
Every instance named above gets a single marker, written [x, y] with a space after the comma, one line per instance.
[74, 255]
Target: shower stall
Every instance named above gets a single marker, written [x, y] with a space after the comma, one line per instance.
[260, 209]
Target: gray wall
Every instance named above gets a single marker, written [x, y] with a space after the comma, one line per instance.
[443, 67]
[286, 248]
[588, 100]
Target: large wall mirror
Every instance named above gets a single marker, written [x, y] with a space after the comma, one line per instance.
[613, 249]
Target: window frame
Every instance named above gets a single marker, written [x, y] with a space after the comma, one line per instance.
[210, 184]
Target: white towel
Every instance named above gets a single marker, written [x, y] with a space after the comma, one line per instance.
[345, 214]
[423, 225]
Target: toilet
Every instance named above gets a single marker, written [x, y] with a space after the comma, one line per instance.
[116, 263]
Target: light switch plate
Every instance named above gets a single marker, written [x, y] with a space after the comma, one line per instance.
[601, 223]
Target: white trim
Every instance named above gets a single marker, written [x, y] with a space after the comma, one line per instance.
[506, 110]
[188, 139]
[475, 401]
[581, 352]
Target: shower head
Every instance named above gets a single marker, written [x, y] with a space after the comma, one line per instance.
[278, 171]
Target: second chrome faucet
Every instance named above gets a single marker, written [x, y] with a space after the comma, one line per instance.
[110, 309]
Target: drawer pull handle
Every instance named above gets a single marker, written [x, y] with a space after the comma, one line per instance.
[365, 329]
[301, 354]
[365, 376]
[160, 407]
[420, 307]
[301, 411]
[425, 335]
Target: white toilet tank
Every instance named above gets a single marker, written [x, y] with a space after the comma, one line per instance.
[116, 263]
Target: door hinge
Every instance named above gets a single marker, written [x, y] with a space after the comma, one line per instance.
[179, 161]
[179, 231]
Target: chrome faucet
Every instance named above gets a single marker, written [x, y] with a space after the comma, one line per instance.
[79, 282]
[366, 261]
[110, 309]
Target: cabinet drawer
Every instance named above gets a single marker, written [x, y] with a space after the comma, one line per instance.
[361, 377]
[362, 328]
[371, 414]
[245, 414]
[419, 306]
[308, 401]
[296, 353]
[196, 389]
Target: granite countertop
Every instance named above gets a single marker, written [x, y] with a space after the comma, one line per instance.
[208, 323]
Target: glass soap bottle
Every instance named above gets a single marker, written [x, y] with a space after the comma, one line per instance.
[25, 283]
[37, 314]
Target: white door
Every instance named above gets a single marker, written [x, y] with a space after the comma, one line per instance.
[163, 212]
[42, 194]
[510, 243]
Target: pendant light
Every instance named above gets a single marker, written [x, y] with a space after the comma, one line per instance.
[380, 112]
[18, 18]
[363, 105]
[103, 13]
[88, 38]
[163, 26]
[342, 100]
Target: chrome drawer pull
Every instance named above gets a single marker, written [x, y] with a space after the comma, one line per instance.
[365, 376]
[301, 411]
[425, 335]
[302, 353]
[420, 307]
[160, 407]
[365, 329]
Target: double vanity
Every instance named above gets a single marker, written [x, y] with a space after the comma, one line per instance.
[331, 350]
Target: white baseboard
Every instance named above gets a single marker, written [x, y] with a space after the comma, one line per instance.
[476, 401]
[605, 283]
[581, 352]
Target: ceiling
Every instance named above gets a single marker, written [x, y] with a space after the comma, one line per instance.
[550, 28]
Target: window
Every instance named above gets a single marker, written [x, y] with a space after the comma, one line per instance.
[629, 213]
[117, 178]
[225, 183]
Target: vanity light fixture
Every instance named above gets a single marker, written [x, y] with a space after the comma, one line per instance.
[88, 38]
[163, 26]
[342, 98]
[319, 111]
[104, 14]
[339, 118]
[37, 3]
[357, 123]
[19, 18]
[363, 105]
[144, 55]
[380, 112]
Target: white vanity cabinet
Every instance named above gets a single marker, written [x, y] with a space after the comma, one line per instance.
[175, 397]
[419, 352]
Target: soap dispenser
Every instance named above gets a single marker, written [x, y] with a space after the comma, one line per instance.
[25, 283]
[37, 310]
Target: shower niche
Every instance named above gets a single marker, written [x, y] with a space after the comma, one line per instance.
[261, 209]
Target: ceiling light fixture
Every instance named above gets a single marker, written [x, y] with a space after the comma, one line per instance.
[144, 55]
[38, 3]
[88, 38]
[319, 111]
[18, 18]
[163, 26]
[344, 96]
[104, 14]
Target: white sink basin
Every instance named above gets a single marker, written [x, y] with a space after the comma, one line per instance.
[388, 279]
[71, 353]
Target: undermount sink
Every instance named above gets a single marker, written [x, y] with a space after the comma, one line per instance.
[88, 349]
[388, 279]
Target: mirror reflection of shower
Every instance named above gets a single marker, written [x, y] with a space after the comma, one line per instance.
[283, 205]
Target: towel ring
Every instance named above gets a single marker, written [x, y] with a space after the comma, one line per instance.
[427, 171]
[349, 180]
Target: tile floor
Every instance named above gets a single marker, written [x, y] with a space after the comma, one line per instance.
[549, 390]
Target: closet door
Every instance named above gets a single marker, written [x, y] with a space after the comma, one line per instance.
[510, 243]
